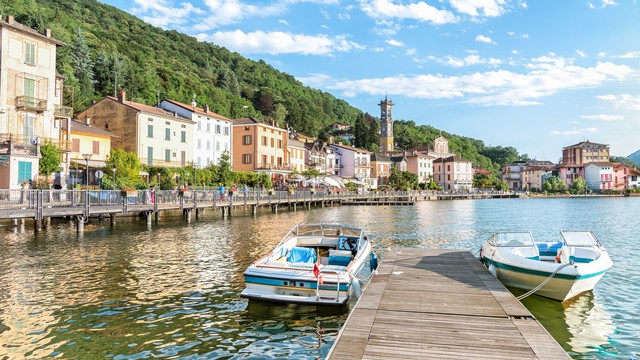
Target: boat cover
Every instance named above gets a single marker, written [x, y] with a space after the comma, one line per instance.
[301, 255]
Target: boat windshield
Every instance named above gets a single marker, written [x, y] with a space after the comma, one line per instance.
[327, 230]
[520, 239]
[579, 238]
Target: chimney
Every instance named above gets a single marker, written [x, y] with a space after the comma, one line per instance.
[47, 33]
[206, 108]
[122, 95]
[87, 121]
[10, 19]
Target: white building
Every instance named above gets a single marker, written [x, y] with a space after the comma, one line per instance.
[633, 180]
[599, 176]
[30, 101]
[212, 133]
[356, 164]
[296, 153]
[453, 173]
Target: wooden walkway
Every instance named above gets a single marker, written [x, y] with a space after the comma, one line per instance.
[440, 304]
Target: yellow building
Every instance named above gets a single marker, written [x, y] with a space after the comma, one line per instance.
[90, 148]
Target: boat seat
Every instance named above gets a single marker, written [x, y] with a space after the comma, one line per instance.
[340, 257]
[302, 255]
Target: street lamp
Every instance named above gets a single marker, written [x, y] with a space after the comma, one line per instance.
[114, 177]
[86, 159]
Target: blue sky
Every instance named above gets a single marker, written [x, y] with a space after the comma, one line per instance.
[537, 75]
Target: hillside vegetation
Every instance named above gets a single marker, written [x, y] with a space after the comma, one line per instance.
[109, 49]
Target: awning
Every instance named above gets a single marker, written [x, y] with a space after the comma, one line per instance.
[92, 163]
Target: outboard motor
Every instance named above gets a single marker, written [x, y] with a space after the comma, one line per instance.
[373, 261]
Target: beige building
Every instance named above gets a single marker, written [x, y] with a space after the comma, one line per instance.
[158, 137]
[421, 165]
[30, 100]
[260, 147]
[453, 173]
[90, 148]
[533, 177]
[296, 153]
[381, 167]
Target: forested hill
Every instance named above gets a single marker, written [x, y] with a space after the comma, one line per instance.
[109, 49]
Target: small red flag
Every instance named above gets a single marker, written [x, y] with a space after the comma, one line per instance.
[316, 270]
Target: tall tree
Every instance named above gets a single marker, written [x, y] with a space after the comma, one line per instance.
[83, 70]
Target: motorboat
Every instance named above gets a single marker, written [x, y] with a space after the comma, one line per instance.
[314, 264]
[558, 270]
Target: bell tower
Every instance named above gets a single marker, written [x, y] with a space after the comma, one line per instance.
[386, 126]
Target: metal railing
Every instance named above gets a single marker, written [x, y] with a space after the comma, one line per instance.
[62, 111]
[31, 103]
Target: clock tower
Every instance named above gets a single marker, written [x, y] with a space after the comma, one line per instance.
[386, 126]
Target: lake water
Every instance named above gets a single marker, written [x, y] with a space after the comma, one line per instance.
[172, 291]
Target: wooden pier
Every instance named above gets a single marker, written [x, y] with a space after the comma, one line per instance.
[440, 304]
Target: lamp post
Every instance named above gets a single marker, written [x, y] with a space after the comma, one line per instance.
[114, 177]
[86, 159]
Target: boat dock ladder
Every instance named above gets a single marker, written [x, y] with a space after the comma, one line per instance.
[337, 297]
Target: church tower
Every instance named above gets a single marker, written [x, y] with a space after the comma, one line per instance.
[386, 126]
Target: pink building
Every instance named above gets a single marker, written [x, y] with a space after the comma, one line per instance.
[620, 176]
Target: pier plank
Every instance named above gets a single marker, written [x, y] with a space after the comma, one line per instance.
[440, 304]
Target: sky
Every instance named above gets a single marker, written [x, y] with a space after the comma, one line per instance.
[535, 75]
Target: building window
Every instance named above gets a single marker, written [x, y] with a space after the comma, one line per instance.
[226, 130]
[150, 131]
[246, 140]
[279, 144]
[217, 129]
[167, 134]
[246, 158]
[24, 171]
[149, 156]
[208, 144]
[199, 144]
[208, 127]
[272, 142]
[29, 53]
[217, 145]
[75, 145]
[27, 125]
[29, 88]
[96, 147]
[265, 141]
[199, 125]
[183, 136]
[167, 155]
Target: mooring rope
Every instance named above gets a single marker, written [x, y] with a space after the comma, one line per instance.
[544, 282]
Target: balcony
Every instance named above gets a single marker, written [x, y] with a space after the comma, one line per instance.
[12, 144]
[31, 104]
[62, 111]
[281, 167]
[161, 163]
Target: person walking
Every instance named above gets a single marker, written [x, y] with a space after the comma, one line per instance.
[221, 190]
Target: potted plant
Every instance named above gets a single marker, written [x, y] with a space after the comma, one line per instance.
[128, 191]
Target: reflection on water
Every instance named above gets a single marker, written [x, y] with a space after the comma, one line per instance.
[173, 291]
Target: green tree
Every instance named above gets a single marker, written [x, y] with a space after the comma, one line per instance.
[127, 169]
[578, 186]
[82, 64]
[50, 159]
[403, 180]
[555, 185]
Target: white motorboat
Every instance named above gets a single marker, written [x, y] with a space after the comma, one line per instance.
[314, 264]
[577, 261]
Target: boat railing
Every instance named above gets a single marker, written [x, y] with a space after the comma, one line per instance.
[324, 271]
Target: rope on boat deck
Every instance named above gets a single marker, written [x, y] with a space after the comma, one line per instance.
[544, 282]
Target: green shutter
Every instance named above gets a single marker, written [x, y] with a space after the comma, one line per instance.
[24, 171]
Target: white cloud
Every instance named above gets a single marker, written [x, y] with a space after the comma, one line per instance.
[284, 22]
[420, 11]
[590, 5]
[602, 55]
[499, 87]
[525, 36]
[477, 8]
[260, 42]
[581, 53]
[627, 101]
[484, 39]
[510, 33]
[393, 42]
[573, 131]
[515, 52]
[606, 3]
[411, 51]
[161, 13]
[603, 117]
[629, 55]
[469, 60]
[344, 16]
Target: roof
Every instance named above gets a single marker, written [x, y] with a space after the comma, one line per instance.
[538, 168]
[602, 163]
[29, 31]
[584, 144]
[380, 157]
[196, 109]
[452, 159]
[80, 127]
[482, 171]
[398, 158]
[296, 143]
[148, 109]
[634, 172]
[351, 148]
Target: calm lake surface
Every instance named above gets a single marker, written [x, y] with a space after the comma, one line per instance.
[172, 291]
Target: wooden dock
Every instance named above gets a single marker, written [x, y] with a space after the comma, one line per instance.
[440, 304]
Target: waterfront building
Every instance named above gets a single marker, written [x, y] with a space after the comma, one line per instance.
[381, 167]
[399, 162]
[533, 177]
[260, 147]
[386, 126]
[421, 165]
[453, 173]
[156, 136]
[512, 173]
[620, 176]
[211, 132]
[297, 154]
[633, 180]
[324, 159]
[31, 96]
[575, 157]
[599, 176]
[90, 148]
[356, 164]
[340, 126]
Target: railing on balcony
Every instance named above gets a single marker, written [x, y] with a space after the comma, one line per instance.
[26, 145]
[161, 162]
[62, 111]
[31, 103]
[282, 167]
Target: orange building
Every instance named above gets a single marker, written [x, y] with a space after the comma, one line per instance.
[260, 147]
